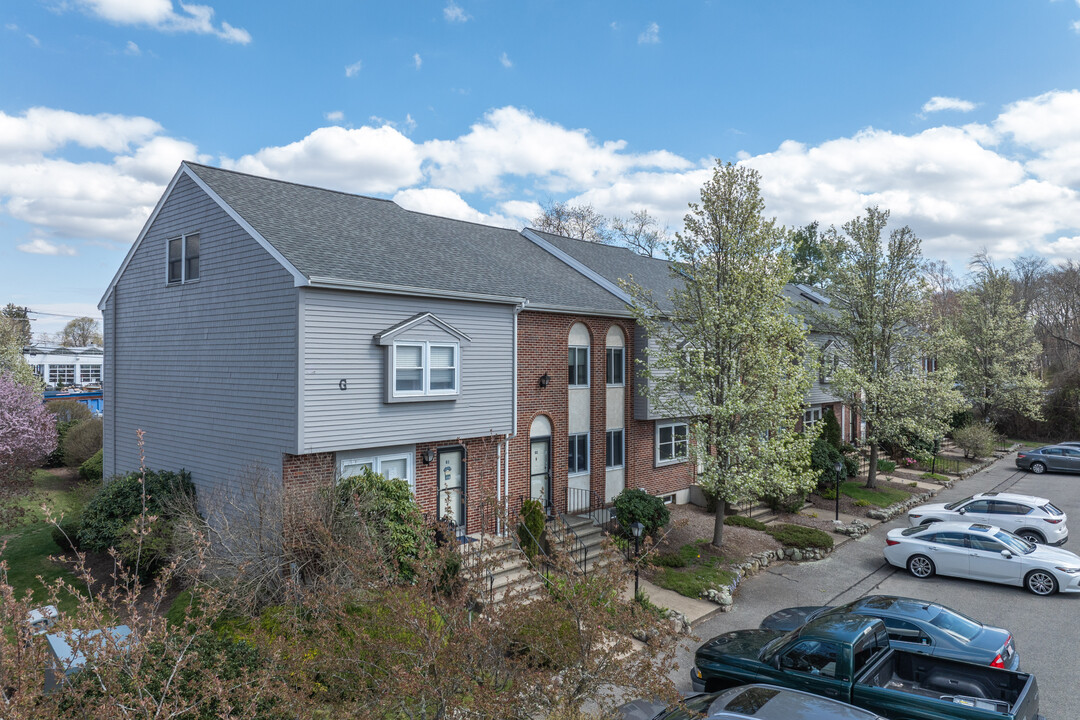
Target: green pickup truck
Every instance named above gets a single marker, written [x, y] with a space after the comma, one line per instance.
[847, 657]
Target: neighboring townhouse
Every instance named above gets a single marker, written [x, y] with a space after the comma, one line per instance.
[260, 323]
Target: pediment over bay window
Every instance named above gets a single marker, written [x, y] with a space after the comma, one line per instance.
[423, 359]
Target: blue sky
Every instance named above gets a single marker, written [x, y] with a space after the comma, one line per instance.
[963, 118]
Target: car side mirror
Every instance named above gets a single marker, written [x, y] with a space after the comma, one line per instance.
[962, 511]
[776, 661]
[1007, 554]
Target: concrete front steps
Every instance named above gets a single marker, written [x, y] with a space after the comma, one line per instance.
[505, 569]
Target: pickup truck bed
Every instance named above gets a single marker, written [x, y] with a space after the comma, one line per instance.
[950, 681]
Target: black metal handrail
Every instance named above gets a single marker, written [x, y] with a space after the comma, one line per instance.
[578, 550]
[586, 501]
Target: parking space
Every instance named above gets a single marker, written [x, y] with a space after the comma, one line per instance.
[1046, 630]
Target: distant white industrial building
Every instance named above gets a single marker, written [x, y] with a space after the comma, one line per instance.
[66, 366]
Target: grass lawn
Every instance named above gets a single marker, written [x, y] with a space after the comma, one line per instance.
[882, 497]
[1026, 443]
[30, 543]
[691, 570]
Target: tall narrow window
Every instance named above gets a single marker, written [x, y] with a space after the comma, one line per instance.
[578, 452]
[176, 262]
[579, 366]
[191, 257]
[615, 366]
[615, 448]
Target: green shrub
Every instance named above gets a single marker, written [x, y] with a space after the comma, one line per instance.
[830, 431]
[976, 440]
[799, 536]
[389, 510]
[885, 466]
[119, 501]
[153, 553]
[531, 528]
[744, 521]
[823, 458]
[827, 493]
[82, 441]
[92, 468]
[851, 465]
[66, 533]
[633, 505]
[785, 503]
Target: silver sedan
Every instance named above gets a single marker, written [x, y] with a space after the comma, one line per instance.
[982, 552]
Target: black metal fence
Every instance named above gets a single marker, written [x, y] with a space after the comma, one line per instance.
[943, 465]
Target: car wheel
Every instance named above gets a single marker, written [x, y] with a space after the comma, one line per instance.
[1041, 582]
[1038, 468]
[920, 566]
[1031, 536]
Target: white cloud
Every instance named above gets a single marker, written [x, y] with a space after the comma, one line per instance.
[1075, 25]
[335, 116]
[352, 70]
[454, 13]
[447, 203]
[132, 49]
[650, 35]
[162, 15]
[41, 130]
[939, 103]
[505, 60]
[417, 60]
[41, 246]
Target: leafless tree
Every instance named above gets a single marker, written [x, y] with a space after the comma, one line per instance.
[575, 221]
[641, 232]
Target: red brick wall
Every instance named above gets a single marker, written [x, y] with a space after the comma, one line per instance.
[303, 475]
[543, 340]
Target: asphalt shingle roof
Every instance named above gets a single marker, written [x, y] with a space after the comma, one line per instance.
[330, 234]
[615, 263]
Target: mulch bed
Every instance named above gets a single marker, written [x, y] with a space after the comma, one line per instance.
[690, 523]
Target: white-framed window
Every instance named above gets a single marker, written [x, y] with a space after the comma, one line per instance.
[396, 466]
[426, 368]
[929, 364]
[61, 374]
[672, 442]
[616, 364]
[182, 259]
[811, 416]
[578, 452]
[578, 367]
[616, 449]
[89, 374]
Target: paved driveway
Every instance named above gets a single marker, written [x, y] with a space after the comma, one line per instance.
[1047, 630]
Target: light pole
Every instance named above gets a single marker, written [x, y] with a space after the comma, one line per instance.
[636, 528]
[838, 468]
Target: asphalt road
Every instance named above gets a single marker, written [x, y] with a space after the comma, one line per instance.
[1046, 629]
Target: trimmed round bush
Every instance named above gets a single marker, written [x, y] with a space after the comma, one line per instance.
[744, 521]
[800, 536]
[119, 501]
[634, 505]
[82, 441]
[66, 533]
[92, 468]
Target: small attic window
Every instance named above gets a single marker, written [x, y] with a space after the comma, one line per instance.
[182, 259]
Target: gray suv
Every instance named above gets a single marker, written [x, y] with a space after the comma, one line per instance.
[1060, 458]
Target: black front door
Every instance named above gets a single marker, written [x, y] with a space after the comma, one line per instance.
[540, 471]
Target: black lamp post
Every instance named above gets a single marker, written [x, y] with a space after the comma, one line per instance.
[839, 469]
[636, 528]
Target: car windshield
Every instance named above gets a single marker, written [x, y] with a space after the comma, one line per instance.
[1052, 509]
[956, 624]
[958, 503]
[1018, 546]
[771, 646]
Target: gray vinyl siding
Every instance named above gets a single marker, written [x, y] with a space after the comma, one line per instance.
[207, 369]
[819, 392]
[338, 330]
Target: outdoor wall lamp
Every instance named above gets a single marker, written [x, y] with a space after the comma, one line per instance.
[427, 456]
[544, 380]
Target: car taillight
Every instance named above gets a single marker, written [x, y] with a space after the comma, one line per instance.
[1052, 521]
[997, 662]
[915, 515]
[1020, 455]
[890, 541]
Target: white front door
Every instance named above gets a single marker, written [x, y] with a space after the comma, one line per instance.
[452, 486]
[540, 471]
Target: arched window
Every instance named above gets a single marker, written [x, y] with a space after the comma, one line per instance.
[578, 375]
[616, 356]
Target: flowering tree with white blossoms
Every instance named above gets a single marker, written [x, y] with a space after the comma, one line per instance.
[725, 351]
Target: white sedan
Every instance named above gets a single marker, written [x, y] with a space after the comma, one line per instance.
[982, 552]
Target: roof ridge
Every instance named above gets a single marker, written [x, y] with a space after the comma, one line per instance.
[603, 245]
[351, 195]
